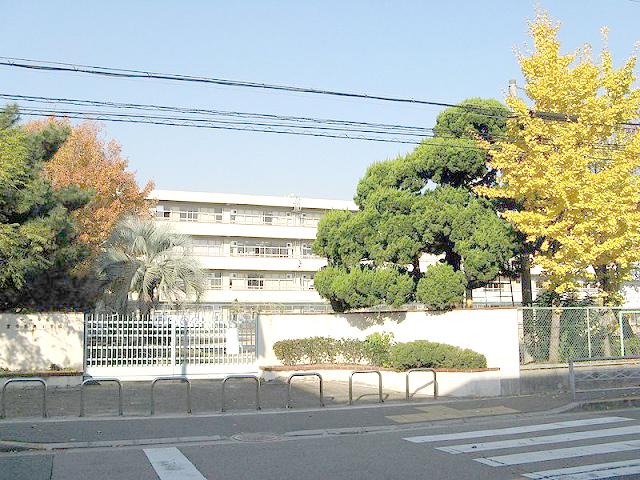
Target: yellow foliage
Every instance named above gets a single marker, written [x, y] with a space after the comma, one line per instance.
[574, 178]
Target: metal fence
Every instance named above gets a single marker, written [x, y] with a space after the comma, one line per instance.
[169, 342]
[557, 334]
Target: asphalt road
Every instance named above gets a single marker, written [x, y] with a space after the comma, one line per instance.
[576, 446]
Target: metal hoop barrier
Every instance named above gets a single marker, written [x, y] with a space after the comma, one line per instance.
[253, 377]
[435, 381]
[182, 378]
[305, 374]
[89, 381]
[25, 380]
[380, 399]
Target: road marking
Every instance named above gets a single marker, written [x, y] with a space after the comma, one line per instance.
[441, 412]
[559, 453]
[516, 430]
[525, 442]
[589, 472]
[171, 464]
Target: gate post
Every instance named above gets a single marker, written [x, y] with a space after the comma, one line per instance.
[173, 343]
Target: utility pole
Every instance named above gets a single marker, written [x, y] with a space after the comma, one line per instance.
[525, 254]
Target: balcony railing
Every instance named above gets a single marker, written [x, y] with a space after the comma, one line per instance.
[261, 251]
[203, 216]
[254, 283]
[262, 219]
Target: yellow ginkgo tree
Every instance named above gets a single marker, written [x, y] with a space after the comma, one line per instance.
[570, 164]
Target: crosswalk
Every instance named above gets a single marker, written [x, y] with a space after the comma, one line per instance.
[567, 442]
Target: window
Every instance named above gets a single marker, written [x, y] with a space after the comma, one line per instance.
[255, 281]
[163, 213]
[307, 281]
[207, 247]
[215, 280]
[188, 215]
[306, 250]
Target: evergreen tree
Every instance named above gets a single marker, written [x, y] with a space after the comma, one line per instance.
[421, 203]
[38, 247]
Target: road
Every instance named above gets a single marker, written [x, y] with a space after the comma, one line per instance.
[274, 445]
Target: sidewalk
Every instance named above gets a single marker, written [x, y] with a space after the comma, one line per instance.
[170, 398]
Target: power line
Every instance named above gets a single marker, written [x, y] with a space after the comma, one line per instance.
[46, 65]
[209, 112]
[264, 120]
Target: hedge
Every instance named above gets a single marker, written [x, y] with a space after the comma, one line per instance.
[425, 354]
[378, 349]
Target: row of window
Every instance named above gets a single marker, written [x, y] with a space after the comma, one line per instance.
[260, 281]
[246, 217]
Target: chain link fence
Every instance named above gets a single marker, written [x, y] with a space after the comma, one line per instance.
[550, 335]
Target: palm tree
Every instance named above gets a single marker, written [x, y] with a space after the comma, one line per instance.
[148, 262]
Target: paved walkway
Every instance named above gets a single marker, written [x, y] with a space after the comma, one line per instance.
[170, 398]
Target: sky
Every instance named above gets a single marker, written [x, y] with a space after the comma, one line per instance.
[442, 51]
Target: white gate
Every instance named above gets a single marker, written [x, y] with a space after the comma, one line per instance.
[197, 343]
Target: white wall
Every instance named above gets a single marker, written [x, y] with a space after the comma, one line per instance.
[492, 332]
[35, 341]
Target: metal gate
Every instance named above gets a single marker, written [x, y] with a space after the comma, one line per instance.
[205, 343]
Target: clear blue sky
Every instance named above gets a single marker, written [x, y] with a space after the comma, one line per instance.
[437, 50]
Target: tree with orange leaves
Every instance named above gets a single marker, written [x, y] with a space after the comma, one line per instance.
[88, 161]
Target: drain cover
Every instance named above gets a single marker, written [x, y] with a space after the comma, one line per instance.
[256, 437]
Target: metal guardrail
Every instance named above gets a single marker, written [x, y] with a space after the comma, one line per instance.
[24, 380]
[590, 376]
[435, 380]
[90, 381]
[229, 377]
[599, 376]
[381, 400]
[304, 374]
[182, 378]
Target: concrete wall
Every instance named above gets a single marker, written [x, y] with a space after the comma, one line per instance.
[34, 341]
[492, 332]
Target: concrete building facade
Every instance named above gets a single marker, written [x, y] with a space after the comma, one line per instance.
[256, 249]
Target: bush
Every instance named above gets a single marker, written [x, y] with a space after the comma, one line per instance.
[378, 349]
[425, 354]
[377, 346]
[441, 287]
[319, 350]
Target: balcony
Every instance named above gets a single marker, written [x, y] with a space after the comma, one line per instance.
[262, 251]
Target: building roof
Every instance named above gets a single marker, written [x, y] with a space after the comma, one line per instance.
[291, 201]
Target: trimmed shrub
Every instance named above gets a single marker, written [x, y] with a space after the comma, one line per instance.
[378, 349]
[377, 346]
[441, 287]
[425, 354]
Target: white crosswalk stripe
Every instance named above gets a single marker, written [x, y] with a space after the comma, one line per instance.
[171, 464]
[528, 436]
[515, 430]
[525, 442]
[589, 472]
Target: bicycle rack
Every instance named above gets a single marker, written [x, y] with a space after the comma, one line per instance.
[435, 381]
[228, 377]
[182, 378]
[24, 380]
[381, 400]
[89, 381]
[305, 374]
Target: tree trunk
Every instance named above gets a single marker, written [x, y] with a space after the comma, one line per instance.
[554, 336]
[607, 320]
[525, 279]
[468, 297]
